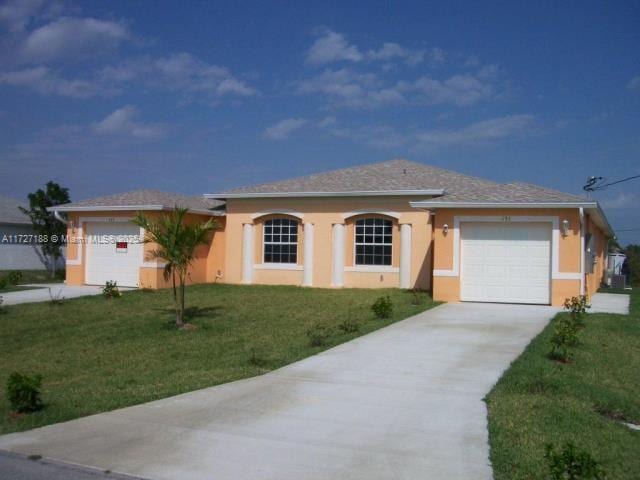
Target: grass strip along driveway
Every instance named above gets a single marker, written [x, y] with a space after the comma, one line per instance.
[97, 355]
[540, 401]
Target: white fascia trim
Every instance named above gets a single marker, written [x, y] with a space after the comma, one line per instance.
[359, 193]
[277, 211]
[555, 242]
[278, 266]
[372, 269]
[432, 204]
[129, 208]
[371, 212]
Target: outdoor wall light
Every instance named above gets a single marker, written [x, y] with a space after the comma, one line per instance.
[565, 227]
[445, 229]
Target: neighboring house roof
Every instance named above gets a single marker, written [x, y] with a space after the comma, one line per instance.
[10, 212]
[395, 177]
[143, 200]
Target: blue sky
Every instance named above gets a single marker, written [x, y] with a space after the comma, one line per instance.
[112, 96]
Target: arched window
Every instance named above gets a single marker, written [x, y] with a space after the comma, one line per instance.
[373, 241]
[280, 241]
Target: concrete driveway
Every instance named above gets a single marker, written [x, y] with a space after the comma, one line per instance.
[42, 292]
[404, 402]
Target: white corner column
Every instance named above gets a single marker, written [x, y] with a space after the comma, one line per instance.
[337, 278]
[307, 280]
[247, 252]
[405, 255]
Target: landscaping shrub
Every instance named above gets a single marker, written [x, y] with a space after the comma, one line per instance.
[111, 290]
[4, 283]
[23, 392]
[14, 277]
[319, 334]
[383, 307]
[349, 326]
[564, 339]
[572, 464]
[577, 307]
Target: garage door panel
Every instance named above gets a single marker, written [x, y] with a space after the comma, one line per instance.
[505, 262]
[114, 253]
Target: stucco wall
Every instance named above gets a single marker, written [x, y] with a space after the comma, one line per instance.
[447, 288]
[323, 213]
[208, 258]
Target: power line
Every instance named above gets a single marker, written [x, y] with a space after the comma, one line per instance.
[595, 183]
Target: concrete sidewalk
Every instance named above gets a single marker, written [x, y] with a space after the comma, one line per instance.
[43, 292]
[404, 402]
[609, 303]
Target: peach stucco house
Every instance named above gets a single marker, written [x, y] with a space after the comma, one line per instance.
[392, 224]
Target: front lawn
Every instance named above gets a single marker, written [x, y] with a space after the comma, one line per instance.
[538, 401]
[96, 355]
[34, 276]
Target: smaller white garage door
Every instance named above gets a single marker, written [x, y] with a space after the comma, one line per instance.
[114, 252]
[505, 262]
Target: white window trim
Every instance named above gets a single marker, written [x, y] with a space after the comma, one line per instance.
[297, 244]
[278, 266]
[556, 274]
[373, 269]
[80, 246]
[386, 213]
[355, 265]
[280, 211]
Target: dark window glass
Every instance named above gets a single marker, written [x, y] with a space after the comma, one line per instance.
[373, 241]
[281, 240]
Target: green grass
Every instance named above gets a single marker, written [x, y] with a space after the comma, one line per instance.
[97, 355]
[539, 401]
[34, 276]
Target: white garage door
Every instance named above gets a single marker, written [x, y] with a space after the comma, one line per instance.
[505, 262]
[114, 252]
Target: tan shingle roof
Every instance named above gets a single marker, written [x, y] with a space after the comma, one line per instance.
[515, 192]
[394, 175]
[139, 199]
[10, 213]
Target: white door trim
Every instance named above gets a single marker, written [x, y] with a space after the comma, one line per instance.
[556, 274]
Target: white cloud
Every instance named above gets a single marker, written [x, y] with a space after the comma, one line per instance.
[485, 131]
[391, 51]
[16, 14]
[46, 82]
[284, 128]
[622, 200]
[460, 90]
[327, 121]
[178, 72]
[70, 37]
[634, 84]
[332, 47]
[122, 122]
[347, 88]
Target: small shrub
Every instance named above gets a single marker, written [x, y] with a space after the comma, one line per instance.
[577, 307]
[564, 338]
[23, 392]
[14, 277]
[349, 326]
[383, 307]
[111, 290]
[60, 275]
[319, 334]
[4, 283]
[572, 464]
[55, 298]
